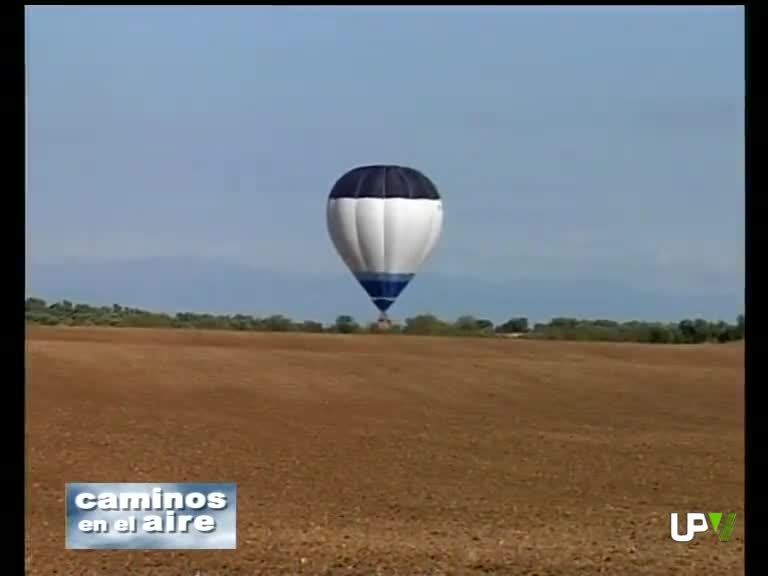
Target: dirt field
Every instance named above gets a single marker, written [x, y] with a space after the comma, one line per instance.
[374, 455]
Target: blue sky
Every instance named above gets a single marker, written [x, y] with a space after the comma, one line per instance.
[601, 145]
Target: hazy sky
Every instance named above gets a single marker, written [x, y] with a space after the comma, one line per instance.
[591, 142]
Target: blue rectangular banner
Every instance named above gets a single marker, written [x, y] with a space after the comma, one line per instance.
[132, 516]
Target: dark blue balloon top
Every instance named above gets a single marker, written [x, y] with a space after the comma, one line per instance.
[384, 181]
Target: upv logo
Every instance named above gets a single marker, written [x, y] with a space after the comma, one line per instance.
[697, 522]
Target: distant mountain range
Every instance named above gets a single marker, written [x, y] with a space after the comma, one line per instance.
[191, 285]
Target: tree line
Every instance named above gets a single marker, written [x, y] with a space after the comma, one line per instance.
[687, 331]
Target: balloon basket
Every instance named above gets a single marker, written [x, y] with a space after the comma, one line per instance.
[384, 324]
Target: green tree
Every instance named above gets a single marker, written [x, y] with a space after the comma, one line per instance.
[687, 330]
[466, 324]
[741, 327]
[659, 334]
[36, 304]
[564, 322]
[605, 323]
[346, 324]
[311, 326]
[513, 326]
[278, 323]
[425, 324]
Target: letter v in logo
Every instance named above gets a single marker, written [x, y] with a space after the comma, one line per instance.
[726, 531]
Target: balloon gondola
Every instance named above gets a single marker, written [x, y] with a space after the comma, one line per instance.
[384, 221]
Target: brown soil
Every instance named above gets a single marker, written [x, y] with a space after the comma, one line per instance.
[374, 455]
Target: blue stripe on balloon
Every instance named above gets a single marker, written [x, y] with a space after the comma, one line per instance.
[384, 276]
[383, 304]
[383, 287]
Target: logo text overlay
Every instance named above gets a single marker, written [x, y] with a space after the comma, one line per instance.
[150, 516]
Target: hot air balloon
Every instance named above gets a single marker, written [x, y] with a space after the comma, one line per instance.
[384, 221]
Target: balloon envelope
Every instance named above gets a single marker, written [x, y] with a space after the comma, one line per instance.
[384, 221]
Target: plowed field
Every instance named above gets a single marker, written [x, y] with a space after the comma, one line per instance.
[374, 455]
